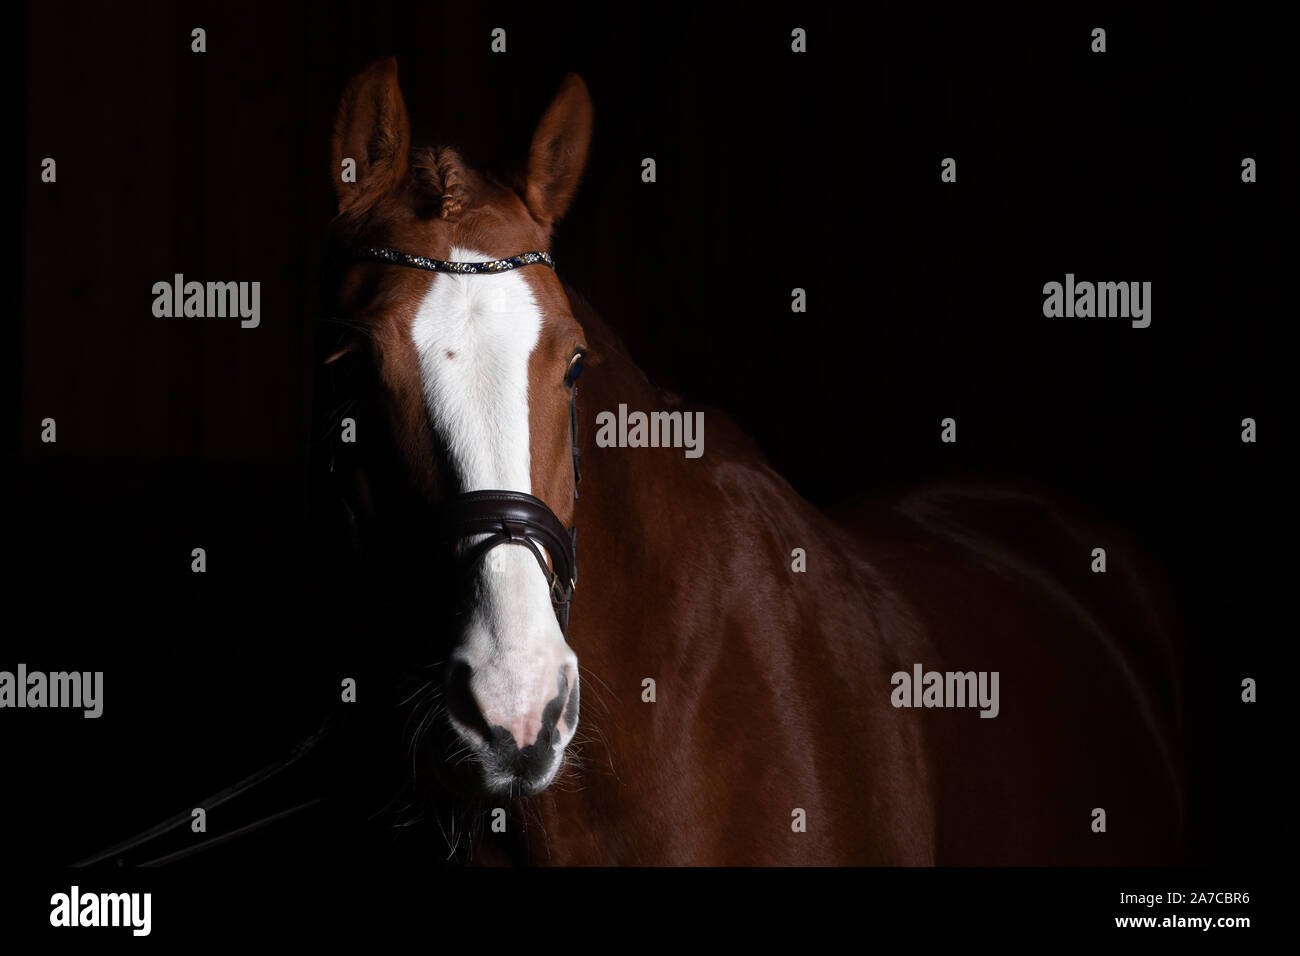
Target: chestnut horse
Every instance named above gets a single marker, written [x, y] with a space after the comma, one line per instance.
[746, 660]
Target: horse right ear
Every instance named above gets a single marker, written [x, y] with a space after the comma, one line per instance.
[372, 136]
[558, 152]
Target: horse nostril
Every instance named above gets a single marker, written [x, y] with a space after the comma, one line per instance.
[461, 704]
[502, 741]
[567, 718]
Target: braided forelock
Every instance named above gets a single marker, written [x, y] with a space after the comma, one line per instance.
[455, 194]
[440, 173]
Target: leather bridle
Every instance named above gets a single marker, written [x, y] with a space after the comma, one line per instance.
[508, 517]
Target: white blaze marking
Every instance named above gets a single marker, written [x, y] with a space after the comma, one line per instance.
[478, 399]
[478, 403]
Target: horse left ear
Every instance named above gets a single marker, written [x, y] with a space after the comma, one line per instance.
[373, 131]
[559, 152]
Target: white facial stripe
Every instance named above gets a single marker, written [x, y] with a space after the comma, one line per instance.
[474, 334]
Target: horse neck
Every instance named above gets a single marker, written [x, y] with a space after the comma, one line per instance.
[627, 479]
[644, 510]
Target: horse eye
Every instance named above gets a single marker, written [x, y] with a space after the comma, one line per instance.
[574, 369]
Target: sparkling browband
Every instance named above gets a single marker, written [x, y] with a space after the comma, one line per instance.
[464, 268]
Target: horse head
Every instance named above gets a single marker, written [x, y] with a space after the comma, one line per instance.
[446, 291]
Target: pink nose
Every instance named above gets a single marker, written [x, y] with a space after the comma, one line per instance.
[540, 715]
[524, 728]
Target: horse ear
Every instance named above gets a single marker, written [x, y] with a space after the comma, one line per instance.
[373, 130]
[559, 152]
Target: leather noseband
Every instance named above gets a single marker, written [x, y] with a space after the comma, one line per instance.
[513, 517]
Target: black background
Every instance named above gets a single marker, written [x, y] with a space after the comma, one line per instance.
[774, 171]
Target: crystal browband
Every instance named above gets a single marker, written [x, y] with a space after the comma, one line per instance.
[461, 268]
